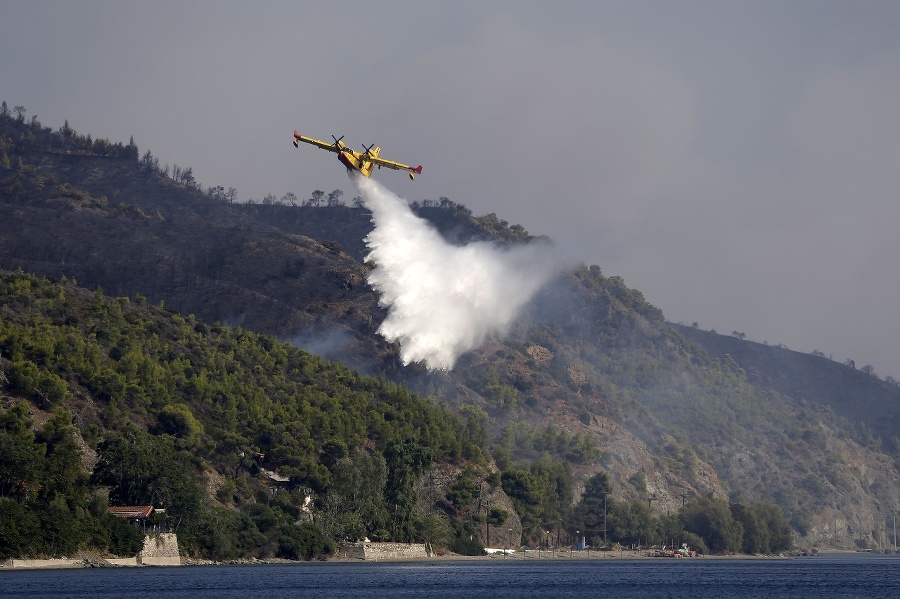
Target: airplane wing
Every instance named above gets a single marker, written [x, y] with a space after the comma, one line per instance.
[397, 166]
[331, 147]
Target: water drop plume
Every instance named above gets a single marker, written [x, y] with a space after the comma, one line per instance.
[444, 300]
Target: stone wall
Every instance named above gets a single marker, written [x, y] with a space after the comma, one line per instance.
[351, 551]
[393, 551]
[160, 550]
[382, 551]
[43, 563]
[123, 561]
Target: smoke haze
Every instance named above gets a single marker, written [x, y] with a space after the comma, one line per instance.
[444, 300]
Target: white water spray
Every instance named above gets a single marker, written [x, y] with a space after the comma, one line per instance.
[444, 300]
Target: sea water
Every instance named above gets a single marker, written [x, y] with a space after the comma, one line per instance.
[821, 577]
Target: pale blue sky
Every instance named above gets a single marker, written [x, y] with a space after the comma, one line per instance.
[735, 161]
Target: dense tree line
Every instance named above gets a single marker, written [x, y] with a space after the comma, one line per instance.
[44, 505]
[50, 507]
[64, 139]
[67, 140]
[707, 524]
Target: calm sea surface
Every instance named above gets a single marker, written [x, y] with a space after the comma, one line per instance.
[820, 577]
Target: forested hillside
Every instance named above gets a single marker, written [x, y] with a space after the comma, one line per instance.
[591, 380]
[233, 433]
[161, 398]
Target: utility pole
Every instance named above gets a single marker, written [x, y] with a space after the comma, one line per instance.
[604, 520]
[895, 533]
[835, 528]
[487, 523]
[482, 497]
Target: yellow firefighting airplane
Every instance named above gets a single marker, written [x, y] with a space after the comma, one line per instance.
[362, 162]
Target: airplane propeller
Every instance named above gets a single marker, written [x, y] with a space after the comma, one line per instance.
[337, 141]
[369, 149]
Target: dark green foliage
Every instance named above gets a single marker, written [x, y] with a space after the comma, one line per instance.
[30, 381]
[497, 516]
[465, 541]
[405, 461]
[541, 493]
[496, 228]
[631, 523]
[765, 529]
[476, 423]
[139, 359]
[16, 421]
[694, 541]
[177, 419]
[436, 529]
[530, 442]
[263, 517]
[639, 481]
[143, 469]
[595, 503]
[107, 533]
[461, 493]
[19, 529]
[303, 542]
[354, 506]
[707, 524]
[48, 516]
[61, 529]
[21, 462]
[224, 534]
[125, 539]
[45, 485]
[711, 520]
[524, 489]
[592, 277]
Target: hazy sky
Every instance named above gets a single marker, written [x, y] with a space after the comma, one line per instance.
[737, 162]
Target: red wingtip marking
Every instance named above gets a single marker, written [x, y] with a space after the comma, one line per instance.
[297, 135]
[418, 169]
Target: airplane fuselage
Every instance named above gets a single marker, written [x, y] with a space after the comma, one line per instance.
[357, 160]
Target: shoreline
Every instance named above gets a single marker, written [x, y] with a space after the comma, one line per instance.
[530, 555]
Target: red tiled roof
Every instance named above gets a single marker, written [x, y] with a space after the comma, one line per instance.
[131, 511]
